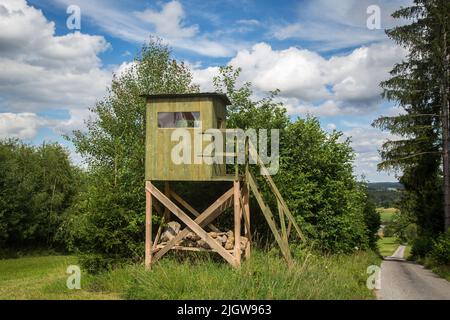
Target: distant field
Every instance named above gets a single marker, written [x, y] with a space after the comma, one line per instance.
[387, 214]
[266, 276]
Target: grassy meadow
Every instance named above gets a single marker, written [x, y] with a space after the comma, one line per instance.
[265, 276]
[387, 214]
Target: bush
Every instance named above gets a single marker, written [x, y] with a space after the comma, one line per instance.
[388, 231]
[421, 246]
[98, 263]
[410, 233]
[440, 251]
[37, 186]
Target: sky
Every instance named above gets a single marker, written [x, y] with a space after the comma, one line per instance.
[326, 57]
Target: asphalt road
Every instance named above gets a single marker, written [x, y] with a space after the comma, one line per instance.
[406, 280]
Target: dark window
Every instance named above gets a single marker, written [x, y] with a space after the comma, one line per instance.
[178, 119]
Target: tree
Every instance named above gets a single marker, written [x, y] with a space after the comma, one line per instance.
[372, 218]
[420, 86]
[37, 186]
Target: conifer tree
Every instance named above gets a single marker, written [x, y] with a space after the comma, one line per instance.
[420, 85]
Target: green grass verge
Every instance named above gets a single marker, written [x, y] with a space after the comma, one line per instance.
[41, 278]
[441, 270]
[387, 246]
[407, 253]
[265, 276]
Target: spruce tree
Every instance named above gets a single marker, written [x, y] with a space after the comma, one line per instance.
[420, 85]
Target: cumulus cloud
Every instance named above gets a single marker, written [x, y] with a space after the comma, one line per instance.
[21, 125]
[310, 83]
[203, 77]
[294, 71]
[43, 71]
[366, 141]
[168, 21]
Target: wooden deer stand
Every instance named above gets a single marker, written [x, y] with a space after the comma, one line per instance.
[192, 112]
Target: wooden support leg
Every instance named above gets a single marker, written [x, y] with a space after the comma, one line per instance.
[237, 221]
[148, 229]
[246, 195]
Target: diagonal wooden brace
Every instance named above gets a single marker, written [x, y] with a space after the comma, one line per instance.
[211, 213]
[191, 209]
[195, 226]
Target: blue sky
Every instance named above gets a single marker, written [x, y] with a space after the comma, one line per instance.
[320, 54]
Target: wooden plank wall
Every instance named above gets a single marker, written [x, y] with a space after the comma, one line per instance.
[158, 164]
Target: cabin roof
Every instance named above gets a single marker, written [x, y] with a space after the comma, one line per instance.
[215, 95]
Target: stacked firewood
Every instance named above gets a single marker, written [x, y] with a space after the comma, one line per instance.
[225, 239]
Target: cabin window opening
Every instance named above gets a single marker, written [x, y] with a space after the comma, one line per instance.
[178, 119]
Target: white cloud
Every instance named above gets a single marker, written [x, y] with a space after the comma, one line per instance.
[366, 141]
[168, 21]
[203, 77]
[331, 26]
[248, 22]
[309, 83]
[296, 72]
[43, 71]
[21, 125]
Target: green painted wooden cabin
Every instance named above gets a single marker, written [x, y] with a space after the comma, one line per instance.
[195, 112]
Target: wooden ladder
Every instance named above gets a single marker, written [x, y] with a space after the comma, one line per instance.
[284, 213]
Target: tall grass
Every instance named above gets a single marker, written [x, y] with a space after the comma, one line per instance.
[195, 276]
[265, 276]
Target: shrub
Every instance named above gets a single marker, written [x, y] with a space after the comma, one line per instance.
[37, 185]
[389, 231]
[421, 246]
[410, 232]
[440, 251]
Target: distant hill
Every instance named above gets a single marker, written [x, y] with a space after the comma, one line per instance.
[385, 185]
[385, 194]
